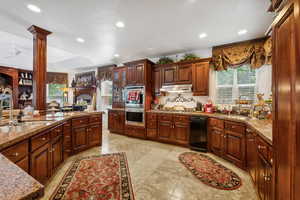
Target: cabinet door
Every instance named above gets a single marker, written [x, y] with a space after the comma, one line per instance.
[120, 121]
[251, 155]
[57, 153]
[131, 75]
[184, 74]
[181, 132]
[139, 74]
[67, 132]
[165, 130]
[41, 163]
[95, 135]
[216, 141]
[200, 77]
[111, 121]
[24, 164]
[80, 138]
[169, 75]
[235, 148]
[157, 81]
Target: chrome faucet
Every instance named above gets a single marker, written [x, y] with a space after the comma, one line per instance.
[11, 105]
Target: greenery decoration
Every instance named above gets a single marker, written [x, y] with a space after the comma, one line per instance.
[189, 56]
[165, 60]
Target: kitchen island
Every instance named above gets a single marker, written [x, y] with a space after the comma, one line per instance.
[32, 151]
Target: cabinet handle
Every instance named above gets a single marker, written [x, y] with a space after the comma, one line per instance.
[267, 178]
[271, 160]
[261, 147]
[43, 138]
[224, 136]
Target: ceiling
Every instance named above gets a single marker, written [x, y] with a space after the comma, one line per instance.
[152, 28]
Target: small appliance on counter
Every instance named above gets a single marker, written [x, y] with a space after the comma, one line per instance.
[208, 108]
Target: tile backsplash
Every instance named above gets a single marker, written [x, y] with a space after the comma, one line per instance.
[185, 99]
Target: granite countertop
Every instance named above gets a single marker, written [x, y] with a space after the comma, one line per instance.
[16, 183]
[262, 127]
[31, 126]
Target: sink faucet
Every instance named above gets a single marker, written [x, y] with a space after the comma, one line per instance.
[11, 105]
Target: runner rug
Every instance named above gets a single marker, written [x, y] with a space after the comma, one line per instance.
[209, 171]
[104, 177]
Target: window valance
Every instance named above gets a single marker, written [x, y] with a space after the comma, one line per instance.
[256, 52]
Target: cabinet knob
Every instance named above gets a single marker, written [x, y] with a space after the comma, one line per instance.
[261, 147]
[16, 154]
[224, 136]
[43, 138]
[271, 160]
[248, 130]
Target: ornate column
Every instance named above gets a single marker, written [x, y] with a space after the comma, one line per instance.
[39, 67]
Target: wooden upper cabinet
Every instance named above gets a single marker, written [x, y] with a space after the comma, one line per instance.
[169, 75]
[157, 80]
[200, 79]
[135, 75]
[184, 74]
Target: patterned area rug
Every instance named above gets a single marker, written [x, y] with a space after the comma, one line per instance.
[104, 177]
[209, 171]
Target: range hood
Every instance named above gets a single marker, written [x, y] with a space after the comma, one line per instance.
[176, 88]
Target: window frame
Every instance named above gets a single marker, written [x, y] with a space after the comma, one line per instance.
[235, 86]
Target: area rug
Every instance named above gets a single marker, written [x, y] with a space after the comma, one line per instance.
[209, 171]
[104, 177]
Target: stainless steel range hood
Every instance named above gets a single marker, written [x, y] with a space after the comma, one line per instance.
[176, 88]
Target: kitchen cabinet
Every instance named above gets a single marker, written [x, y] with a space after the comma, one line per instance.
[151, 125]
[228, 142]
[116, 121]
[119, 82]
[80, 134]
[157, 80]
[95, 131]
[41, 164]
[200, 78]
[169, 74]
[135, 131]
[184, 74]
[251, 153]
[135, 74]
[67, 141]
[173, 128]
[18, 154]
[56, 153]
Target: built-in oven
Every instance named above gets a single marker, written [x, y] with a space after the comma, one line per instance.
[135, 116]
[134, 96]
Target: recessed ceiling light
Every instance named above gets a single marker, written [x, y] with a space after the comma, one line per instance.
[80, 40]
[117, 55]
[150, 48]
[120, 24]
[202, 35]
[242, 32]
[34, 8]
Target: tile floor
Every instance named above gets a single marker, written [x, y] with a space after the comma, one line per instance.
[157, 174]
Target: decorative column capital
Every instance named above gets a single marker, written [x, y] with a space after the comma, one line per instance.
[37, 30]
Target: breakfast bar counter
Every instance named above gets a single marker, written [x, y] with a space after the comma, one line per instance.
[18, 143]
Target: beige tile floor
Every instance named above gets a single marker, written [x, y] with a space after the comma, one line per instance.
[157, 174]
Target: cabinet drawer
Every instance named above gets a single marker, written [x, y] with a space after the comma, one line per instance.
[96, 119]
[218, 123]
[17, 151]
[135, 131]
[151, 124]
[152, 116]
[165, 117]
[56, 131]
[181, 118]
[152, 133]
[80, 122]
[39, 140]
[235, 127]
[262, 148]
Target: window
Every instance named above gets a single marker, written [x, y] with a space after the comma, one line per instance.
[235, 83]
[55, 93]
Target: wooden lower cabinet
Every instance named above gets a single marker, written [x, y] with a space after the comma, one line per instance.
[135, 131]
[41, 165]
[24, 164]
[234, 148]
[80, 138]
[216, 141]
[116, 121]
[264, 179]
[95, 134]
[57, 153]
[181, 132]
[165, 129]
[67, 134]
[228, 142]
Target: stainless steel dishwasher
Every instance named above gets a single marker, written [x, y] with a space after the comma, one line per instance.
[198, 133]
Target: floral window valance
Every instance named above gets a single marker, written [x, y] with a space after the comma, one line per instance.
[256, 52]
